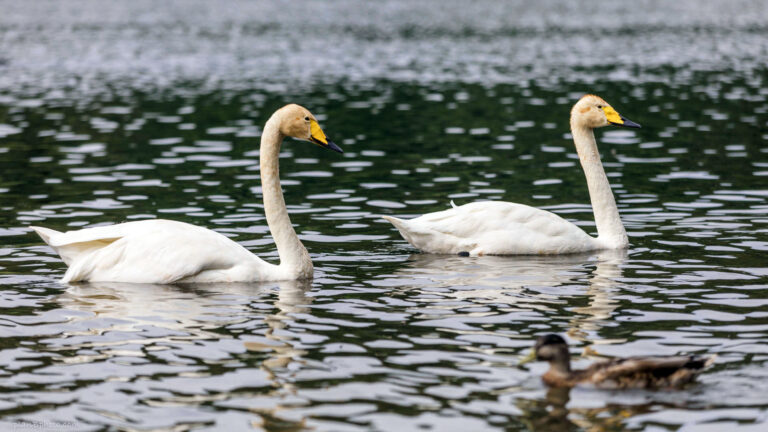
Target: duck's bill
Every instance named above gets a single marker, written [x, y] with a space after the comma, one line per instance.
[531, 356]
[318, 137]
[619, 120]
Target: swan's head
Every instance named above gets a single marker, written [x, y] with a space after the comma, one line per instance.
[297, 122]
[593, 112]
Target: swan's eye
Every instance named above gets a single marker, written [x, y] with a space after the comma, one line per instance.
[600, 107]
[306, 118]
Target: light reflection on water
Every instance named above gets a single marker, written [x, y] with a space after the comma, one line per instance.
[429, 107]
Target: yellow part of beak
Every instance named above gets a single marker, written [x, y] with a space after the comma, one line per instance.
[528, 358]
[318, 135]
[612, 115]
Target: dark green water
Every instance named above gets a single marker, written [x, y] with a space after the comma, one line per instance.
[137, 110]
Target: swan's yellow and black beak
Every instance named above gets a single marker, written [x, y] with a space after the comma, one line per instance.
[318, 137]
[531, 356]
[618, 120]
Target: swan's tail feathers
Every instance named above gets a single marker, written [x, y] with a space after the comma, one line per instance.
[401, 225]
[48, 236]
[45, 233]
[397, 222]
[410, 233]
[69, 247]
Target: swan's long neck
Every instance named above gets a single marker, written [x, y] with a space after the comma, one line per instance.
[609, 228]
[294, 258]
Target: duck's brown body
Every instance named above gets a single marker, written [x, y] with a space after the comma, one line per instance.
[622, 373]
[632, 372]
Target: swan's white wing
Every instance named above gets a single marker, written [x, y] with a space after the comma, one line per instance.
[71, 244]
[494, 228]
[153, 251]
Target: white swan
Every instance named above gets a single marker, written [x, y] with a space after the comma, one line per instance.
[164, 251]
[502, 228]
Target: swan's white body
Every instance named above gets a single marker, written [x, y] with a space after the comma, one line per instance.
[494, 228]
[163, 251]
[156, 251]
[502, 228]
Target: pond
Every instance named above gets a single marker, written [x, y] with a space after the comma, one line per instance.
[137, 110]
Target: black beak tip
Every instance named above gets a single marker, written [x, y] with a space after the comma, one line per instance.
[629, 124]
[334, 147]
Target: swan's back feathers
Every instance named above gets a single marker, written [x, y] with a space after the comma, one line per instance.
[494, 228]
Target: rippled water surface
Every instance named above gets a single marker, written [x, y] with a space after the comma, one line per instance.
[134, 110]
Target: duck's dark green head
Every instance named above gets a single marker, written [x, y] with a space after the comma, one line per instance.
[551, 347]
[550, 339]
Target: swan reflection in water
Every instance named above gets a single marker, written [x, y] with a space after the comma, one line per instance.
[280, 352]
[194, 308]
[292, 299]
[541, 283]
[169, 317]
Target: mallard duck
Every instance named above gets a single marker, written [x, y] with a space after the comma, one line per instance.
[505, 228]
[621, 373]
[161, 251]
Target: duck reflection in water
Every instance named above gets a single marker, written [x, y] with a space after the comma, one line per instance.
[552, 413]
